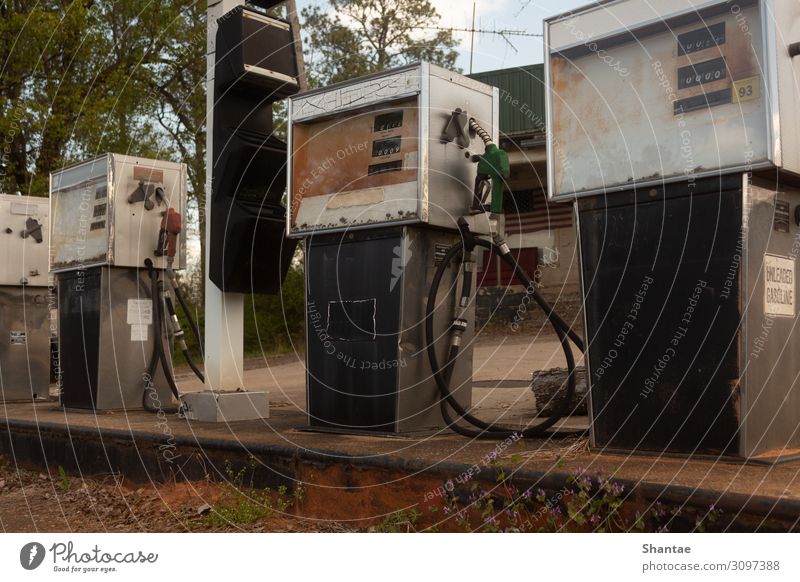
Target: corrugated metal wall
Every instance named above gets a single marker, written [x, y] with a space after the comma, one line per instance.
[521, 98]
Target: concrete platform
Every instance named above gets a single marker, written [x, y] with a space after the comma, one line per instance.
[377, 475]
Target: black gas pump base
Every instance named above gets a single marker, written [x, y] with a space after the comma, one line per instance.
[769, 458]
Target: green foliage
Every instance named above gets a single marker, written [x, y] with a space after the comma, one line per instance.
[403, 521]
[72, 84]
[273, 323]
[586, 503]
[242, 504]
[355, 37]
[65, 483]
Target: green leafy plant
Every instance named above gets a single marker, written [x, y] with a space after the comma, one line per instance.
[403, 521]
[242, 504]
[65, 483]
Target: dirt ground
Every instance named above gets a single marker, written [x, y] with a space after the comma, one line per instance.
[31, 501]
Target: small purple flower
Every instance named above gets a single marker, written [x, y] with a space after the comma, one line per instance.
[446, 509]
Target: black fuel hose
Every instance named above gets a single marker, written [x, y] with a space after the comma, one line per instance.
[158, 346]
[192, 324]
[179, 338]
[443, 376]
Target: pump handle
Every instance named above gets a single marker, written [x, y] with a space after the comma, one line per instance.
[168, 234]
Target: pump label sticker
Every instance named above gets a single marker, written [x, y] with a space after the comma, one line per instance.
[778, 286]
[138, 333]
[140, 312]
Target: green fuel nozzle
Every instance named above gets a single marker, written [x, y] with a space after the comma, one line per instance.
[493, 166]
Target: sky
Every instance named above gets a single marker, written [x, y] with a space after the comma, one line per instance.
[491, 51]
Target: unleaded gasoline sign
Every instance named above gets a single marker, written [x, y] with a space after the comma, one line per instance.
[778, 286]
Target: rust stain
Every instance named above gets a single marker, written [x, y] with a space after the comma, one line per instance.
[356, 198]
[333, 155]
[148, 174]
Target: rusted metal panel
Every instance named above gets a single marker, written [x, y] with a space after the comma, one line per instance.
[635, 107]
[370, 151]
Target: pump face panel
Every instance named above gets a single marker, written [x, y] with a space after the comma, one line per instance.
[370, 152]
[23, 240]
[108, 211]
[644, 92]
[24, 298]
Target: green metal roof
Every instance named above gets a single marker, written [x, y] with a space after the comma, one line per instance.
[521, 98]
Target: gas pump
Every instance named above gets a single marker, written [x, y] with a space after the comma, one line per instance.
[116, 238]
[390, 180]
[674, 132]
[24, 299]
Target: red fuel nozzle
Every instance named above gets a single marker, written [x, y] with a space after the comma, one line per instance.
[168, 235]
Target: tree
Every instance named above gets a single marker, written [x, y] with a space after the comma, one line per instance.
[175, 83]
[356, 37]
[65, 85]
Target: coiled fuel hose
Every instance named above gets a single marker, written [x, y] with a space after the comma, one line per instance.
[485, 430]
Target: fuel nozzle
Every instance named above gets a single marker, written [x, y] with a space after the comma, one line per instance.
[493, 168]
[168, 234]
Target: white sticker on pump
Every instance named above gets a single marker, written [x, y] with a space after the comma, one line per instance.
[140, 312]
[779, 286]
[138, 332]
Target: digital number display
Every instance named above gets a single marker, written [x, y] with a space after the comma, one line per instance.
[702, 73]
[386, 147]
[703, 101]
[395, 166]
[701, 39]
[386, 121]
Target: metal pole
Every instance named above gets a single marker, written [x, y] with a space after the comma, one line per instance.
[224, 312]
[472, 39]
[294, 21]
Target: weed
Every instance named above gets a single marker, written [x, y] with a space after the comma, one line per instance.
[242, 504]
[65, 483]
[586, 503]
[402, 521]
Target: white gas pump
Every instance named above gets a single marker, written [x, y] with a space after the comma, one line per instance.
[115, 237]
[24, 299]
[674, 132]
